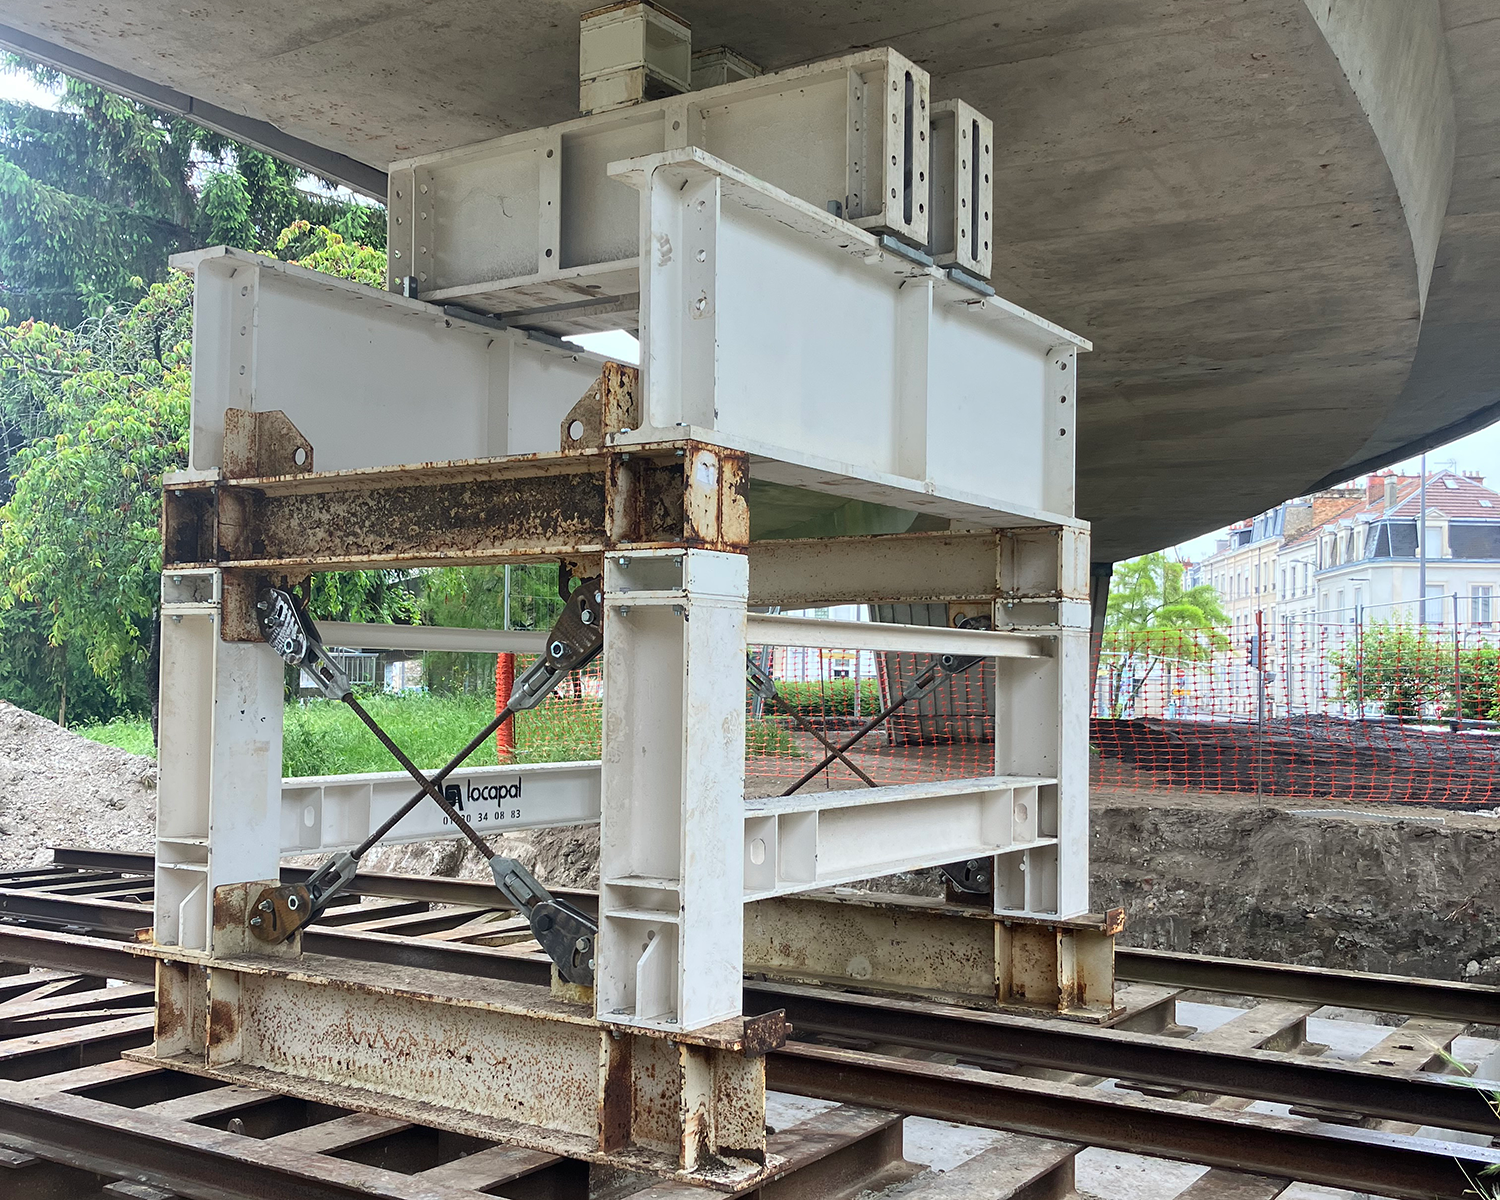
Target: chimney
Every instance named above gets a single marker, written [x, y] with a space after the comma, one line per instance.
[1374, 489]
[632, 52]
[1392, 484]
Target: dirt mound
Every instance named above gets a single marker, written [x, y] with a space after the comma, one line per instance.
[564, 857]
[58, 788]
[1386, 892]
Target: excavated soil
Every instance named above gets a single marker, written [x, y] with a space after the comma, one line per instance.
[1391, 888]
[57, 788]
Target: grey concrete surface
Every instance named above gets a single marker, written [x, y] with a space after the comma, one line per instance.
[1278, 220]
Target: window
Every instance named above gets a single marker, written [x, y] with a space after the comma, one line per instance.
[1481, 596]
[1283, 581]
[1339, 605]
[1434, 541]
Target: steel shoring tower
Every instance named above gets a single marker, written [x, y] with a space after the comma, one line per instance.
[898, 381]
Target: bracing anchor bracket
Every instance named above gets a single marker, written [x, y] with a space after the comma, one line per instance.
[562, 930]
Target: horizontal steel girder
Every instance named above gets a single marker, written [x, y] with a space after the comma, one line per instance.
[1384, 1164]
[1440, 998]
[524, 507]
[1061, 1045]
[1424, 1099]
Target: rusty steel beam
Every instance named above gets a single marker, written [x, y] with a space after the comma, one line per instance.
[515, 509]
[191, 1160]
[1468, 1002]
[1435, 1100]
[1360, 1160]
[997, 1036]
[92, 956]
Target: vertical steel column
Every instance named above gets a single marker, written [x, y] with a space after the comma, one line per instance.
[219, 796]
[672, 826]
[1042, 717]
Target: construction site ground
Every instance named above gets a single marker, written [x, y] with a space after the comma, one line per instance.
[1307, 880]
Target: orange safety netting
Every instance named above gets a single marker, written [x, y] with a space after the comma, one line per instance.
[1385, 712]
[1374, 713]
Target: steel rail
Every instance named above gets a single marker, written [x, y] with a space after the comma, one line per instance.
[191, 1160]
[53, 908]
[1306, 1150]
[1438, 998]
[1255, 1074]
[434, 889]
[1423, 1099]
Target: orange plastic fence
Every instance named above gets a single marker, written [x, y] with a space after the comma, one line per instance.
[1372, 713]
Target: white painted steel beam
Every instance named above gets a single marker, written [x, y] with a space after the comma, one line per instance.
[431, 637]
[775, 630]
[370, 378]
[811, 840]
[891, 382]
[526, 224]
[335, 812]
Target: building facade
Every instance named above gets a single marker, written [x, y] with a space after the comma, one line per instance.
[1350, 556]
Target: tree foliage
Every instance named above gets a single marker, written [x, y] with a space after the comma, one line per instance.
[1413, 672]
[1154, 618]
[93, 418]
[98, 193]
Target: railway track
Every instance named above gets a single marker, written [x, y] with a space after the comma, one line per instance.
[74, 1115]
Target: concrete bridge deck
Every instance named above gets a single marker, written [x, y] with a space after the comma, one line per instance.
[1277, 220]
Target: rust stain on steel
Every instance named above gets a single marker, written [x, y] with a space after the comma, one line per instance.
[189, 524]
[1114, 922]
[263, 443]
[716, 509]
[615, 1099]
[765, 1033]
[223, 1023]
[542, 510]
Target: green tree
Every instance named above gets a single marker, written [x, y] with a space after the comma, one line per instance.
[1410, 672]
[474, 598]
[1154, 618]
[95, 416]
[96, 195]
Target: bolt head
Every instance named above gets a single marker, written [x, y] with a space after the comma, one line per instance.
[266, 906]
[581, 944]
[255, 921]
[293, 903]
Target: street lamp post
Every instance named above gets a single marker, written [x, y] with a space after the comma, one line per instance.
[1359, 644]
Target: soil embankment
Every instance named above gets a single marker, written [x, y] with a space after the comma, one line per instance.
[1368, 888]
[58, 789]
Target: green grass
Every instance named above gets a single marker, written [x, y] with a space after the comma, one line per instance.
[129, 735]
[769, 738]
[324, 737]
[830, 698]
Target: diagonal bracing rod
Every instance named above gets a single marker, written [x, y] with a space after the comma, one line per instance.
[765, 687]
[945, 664]
[566, 933]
